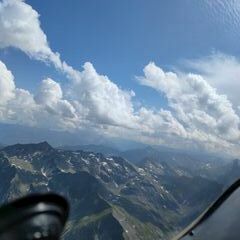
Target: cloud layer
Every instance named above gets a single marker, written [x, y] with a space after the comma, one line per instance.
[206, 115]
[20, 28]
[221, 71]
[199, 117]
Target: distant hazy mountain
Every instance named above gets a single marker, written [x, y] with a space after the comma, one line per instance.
[105, 150]
[110, 197]
[11, 134]
[194, 162]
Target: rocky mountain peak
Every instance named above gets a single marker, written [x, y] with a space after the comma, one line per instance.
[28, 148]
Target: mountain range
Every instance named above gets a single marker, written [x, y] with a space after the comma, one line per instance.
[114, 197]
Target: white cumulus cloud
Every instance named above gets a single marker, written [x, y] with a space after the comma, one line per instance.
[7, 84]
[221, 71]
[20, 28]
[200, 115]
[207, 116]
[92, 102]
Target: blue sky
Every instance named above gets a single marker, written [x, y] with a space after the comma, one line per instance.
[120, 39]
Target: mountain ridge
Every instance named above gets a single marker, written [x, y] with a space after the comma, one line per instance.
[108, 190]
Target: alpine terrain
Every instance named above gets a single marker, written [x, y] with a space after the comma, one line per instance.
[110, 197]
